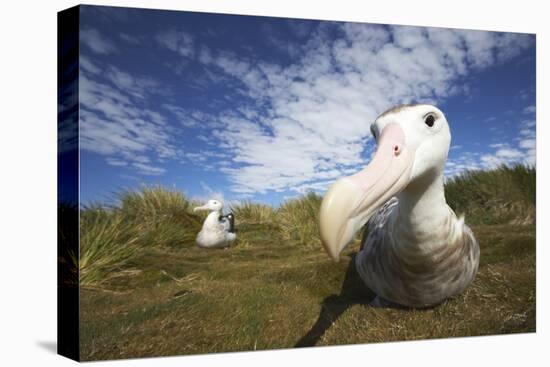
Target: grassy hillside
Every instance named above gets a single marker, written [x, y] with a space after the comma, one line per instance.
[147, 290]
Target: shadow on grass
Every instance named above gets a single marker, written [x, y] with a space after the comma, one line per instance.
[353, 292]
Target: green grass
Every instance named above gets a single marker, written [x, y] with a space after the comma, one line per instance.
[299, 220]
[249, 212]
[107, 243]
[152, 292]
[503, 195]
[112, 237]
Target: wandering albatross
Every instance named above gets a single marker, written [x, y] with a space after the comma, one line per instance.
[217, 230]
[417, 253]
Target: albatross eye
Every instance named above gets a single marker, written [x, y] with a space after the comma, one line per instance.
[429, 120]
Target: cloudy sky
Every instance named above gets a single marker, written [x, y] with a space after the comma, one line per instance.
[269, 108]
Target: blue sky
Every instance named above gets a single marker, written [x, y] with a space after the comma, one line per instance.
[269, 108]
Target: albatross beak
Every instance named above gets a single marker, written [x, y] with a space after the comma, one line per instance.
[204, 207]
[352, 200]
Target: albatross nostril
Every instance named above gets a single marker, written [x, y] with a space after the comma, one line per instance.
[396, 149]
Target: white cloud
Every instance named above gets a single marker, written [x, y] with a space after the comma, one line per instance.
[116, 162]
[88, 65]
[211, 194]
[96, 42]
[508, 153]
[314, 114]
[178, 41]
[522, 149]
[136, 86]
[184, 117]
[67, 136]
[524, 94]
[67, 109]
[196, 157]
[148, 169]
[114, 122]
[529, 143]
[529, 109]
[504, 155]
[129, 38]
[510, 45]
[528, 123]
[466, 161]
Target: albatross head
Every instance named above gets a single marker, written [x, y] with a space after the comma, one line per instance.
[211, 205]
[412, 146]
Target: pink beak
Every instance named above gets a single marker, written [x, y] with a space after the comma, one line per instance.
[352, 200]
[204, 207]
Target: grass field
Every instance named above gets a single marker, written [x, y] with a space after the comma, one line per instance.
[147, 290]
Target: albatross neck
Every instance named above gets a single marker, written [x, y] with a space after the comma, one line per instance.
[422, 205]
[212, 218]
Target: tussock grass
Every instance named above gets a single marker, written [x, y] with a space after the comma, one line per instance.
[250, 212]
[67, 242]
[161, 217]
[248, 216]
[112, 237]
[107, 242]
[298, 220]
[154, 203]
[503, 195]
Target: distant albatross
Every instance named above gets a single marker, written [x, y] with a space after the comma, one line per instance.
[417, 253]
[217, 230]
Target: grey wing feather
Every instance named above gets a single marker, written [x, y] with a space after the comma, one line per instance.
[382, 215]
[379, 219]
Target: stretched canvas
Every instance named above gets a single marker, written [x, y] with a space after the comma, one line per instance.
[236, 183]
